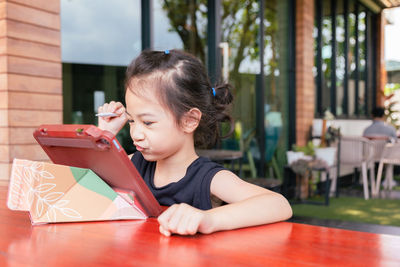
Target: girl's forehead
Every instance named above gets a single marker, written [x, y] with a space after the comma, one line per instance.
[133, 97]
[142, 86]
[146, 102]
[143, 89]
[147, 89]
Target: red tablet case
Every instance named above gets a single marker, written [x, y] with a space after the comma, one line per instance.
[86, 146]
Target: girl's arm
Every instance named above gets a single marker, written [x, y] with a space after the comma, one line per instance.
[249, 205]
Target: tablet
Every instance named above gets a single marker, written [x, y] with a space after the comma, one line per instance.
[87, 146]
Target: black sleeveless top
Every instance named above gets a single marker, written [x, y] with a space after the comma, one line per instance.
[192, 189]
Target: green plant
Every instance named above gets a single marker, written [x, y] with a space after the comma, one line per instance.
[390, 104]
[308, 149]
[331, 135]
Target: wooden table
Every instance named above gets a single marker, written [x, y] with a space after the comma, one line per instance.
[138, 243]
[220, 154]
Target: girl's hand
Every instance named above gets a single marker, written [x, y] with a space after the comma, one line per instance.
[183, 219]
[112, 124]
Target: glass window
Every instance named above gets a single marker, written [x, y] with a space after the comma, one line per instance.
[240, 32]
[326, 56]
[99, 39]
[186, 24]
[362, 61]
[100, 32]
[317, 69]
[240, 54]
[352, 32]
[180, 24]
[353, 69]
[340, 58]
[276, 51]
[165, 35]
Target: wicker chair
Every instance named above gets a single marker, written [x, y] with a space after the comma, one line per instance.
[378, 144]
[390, 156]
[358, 153]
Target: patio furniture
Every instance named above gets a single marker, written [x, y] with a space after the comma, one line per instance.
[378, 143]
[325, 172]
[301, 172]
[356, 152]
[239, 146]
[272, 136]
[329, 176]
[390, 156]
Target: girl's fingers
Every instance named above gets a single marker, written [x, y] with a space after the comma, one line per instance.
[164, 218]
[112, 124]
[171, 218]
[184, 224]
[102, 108]
[120, 109]
[176, 218]
[182, 219]
[112, 107]
[164, 232]
[193, 225]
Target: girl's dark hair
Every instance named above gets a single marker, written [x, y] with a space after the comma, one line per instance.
[183, 84]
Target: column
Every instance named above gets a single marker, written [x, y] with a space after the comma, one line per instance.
[305, 87]
[30, 77]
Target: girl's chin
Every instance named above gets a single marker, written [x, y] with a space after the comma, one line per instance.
[149, 157]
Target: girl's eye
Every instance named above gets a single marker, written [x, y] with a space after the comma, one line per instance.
[131, 121]
[148, 123]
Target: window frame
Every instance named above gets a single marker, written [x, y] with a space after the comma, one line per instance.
[369, 76]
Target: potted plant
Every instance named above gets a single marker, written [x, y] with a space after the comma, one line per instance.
[299, 160]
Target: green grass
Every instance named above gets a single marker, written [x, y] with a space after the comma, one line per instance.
[374, 211]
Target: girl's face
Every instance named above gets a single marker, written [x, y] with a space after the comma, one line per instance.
[152, 126]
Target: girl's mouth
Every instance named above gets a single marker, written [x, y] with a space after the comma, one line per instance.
[139, 148]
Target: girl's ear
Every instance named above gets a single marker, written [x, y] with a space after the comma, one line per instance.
[191, 120]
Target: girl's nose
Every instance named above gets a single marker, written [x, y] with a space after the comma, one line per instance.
[136, 133]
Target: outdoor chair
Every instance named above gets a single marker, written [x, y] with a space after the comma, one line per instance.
[239, 144]
[390, 156]
[357, 152]
[378, 143]
[270, 181]
[272, 136]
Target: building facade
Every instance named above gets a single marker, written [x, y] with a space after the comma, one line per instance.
[60, 60]
[30, 76]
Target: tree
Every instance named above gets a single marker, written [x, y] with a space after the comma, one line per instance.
[183, 17]
[239, 27]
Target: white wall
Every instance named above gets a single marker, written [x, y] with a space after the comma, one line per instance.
[347, 127]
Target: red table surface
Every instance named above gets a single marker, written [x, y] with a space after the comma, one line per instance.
[138, 243]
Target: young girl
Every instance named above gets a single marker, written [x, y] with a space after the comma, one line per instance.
[172, 108]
